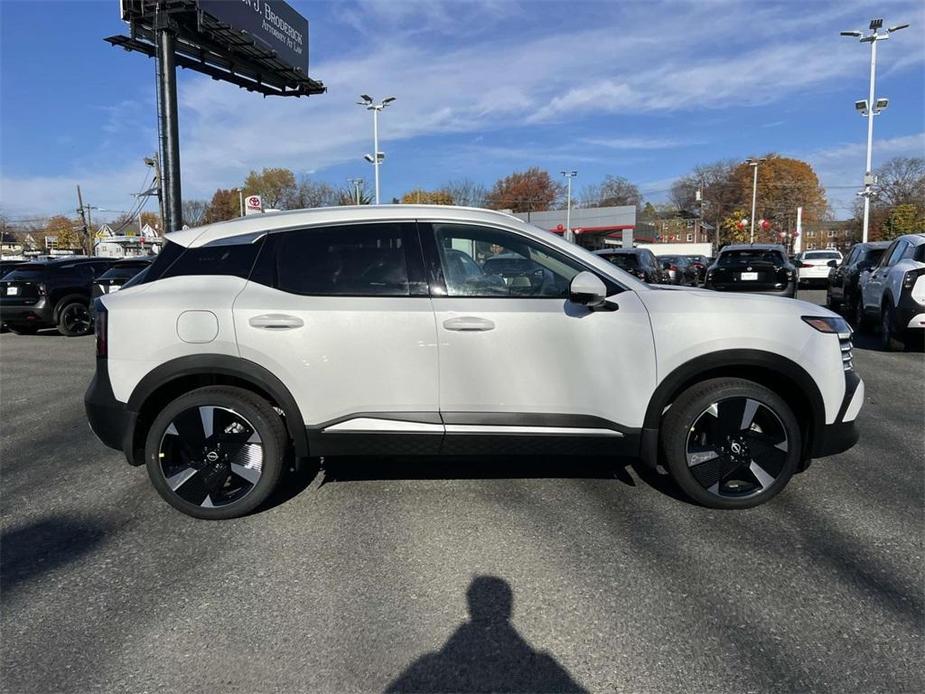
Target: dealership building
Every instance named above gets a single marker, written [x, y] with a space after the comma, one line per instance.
[594, 227]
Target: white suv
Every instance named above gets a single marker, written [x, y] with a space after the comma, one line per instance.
[444, 330]
[894, 292]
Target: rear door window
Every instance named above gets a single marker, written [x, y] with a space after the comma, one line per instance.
[377, 259]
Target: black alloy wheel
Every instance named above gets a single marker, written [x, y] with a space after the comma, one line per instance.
[216, 452]
[731, 443]
[75, 320]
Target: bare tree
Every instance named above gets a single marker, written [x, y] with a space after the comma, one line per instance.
[466, 192]
[309, 193]
[901, 181]
[612, 191]
[194, 212]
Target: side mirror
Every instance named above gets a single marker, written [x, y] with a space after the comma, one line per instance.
[587, 289]
[832, 263]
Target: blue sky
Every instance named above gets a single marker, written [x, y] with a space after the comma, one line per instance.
[644, 90]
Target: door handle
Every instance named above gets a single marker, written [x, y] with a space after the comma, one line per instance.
[468, 323]
[276, 321]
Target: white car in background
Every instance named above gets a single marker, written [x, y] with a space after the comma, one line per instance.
[893, 293]
[814, 266]
[428, 330]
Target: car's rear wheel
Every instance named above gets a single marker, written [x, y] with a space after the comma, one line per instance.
[859, 316]
[731, 443]
[889, 337]
[74, 320]
[216, 452]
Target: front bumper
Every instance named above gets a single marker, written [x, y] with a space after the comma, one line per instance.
[842, 434]
[110, 420]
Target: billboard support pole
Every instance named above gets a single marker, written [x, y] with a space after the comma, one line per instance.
[169, 126]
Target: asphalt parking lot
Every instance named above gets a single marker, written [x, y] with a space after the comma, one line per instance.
[357, 579]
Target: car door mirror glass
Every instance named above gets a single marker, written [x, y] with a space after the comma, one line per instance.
[587, 289]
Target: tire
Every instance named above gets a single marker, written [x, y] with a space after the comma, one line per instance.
[714, 460]
[861, 323]
[831, 304]
[189, 469]
[74, 319]
[23, 329]
[889, 339]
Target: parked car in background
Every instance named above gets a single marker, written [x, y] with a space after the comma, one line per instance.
[814, 266]
[640, 262]
[700, 263]
[894, 293]
[753, 268]
[51, 294]
[120, 273]
[345, 330]
[680, 270]
[7, 266]
[842, 292]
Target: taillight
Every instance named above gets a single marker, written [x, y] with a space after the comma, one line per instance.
[102, 330]
[911, 276]
[673, 267]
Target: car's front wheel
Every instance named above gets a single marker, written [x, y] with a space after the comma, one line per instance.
[731, 443]
[216, 452]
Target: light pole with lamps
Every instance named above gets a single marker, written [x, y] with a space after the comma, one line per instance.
[376, 157]
[754, 164]
[569, 236]
[870, 107]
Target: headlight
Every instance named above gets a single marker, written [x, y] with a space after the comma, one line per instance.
[825, 324]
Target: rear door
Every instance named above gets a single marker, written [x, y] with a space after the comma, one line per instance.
[519, 361]
[873, 290]
[342, 316]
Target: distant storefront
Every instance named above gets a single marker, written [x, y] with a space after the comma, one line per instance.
[594, 227]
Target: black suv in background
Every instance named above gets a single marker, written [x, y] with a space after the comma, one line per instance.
[700, 263]
[120, 273]
[680, 270]
[758, 267]
[51, 294]
[640, 262]
[842, 293]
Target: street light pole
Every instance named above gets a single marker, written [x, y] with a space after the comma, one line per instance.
[754, 164]
[357, 182]
[871, 108]
[569, 236]
[376, 157]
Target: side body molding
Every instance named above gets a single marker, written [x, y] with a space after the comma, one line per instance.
[224, 365]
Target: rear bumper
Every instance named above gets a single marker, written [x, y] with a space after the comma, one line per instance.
[790, 290]
[910, 314]
[110, 420]
[39, 313]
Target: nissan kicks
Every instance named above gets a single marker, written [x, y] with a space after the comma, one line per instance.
[391, 330]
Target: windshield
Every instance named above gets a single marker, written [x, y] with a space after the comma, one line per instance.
[750, 255]
[822, 255]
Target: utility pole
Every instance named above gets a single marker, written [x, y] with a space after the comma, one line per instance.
[168, 124]
[754, 164]
[870, 108]
[84, 216]
[357, 182]
[569, 236]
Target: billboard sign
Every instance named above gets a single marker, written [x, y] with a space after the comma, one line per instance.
[272, 23]
[253, 204]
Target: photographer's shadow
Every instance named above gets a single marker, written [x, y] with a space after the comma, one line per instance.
[486, 654]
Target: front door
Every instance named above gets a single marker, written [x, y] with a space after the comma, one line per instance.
[518, 359]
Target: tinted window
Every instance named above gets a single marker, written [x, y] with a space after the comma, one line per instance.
[821, 255]
[26, 274]
[236, 260]
[509, 264]
[919, 253]
[168, 255]
[123, 271]
[874, 255]
[750, 255]
[897, 253]
[350, 260]
[628, 261]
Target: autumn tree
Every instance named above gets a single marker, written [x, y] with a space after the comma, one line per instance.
[275, 186]
[525, 191]
[419, 196]
[720, 193]
[908, 218]
[68, 233]
[784, 184]
[735, 227]
[310, 193]
[612, 191]
[153, 220]
[225, 204]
